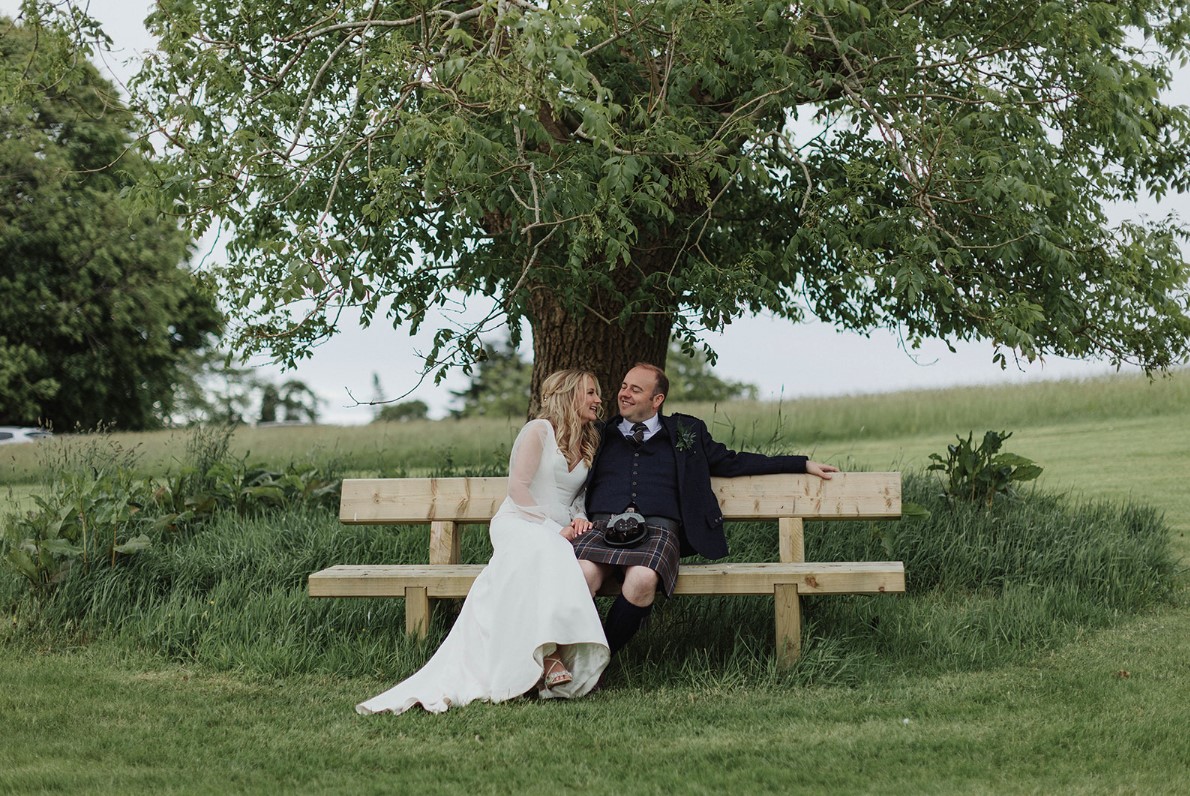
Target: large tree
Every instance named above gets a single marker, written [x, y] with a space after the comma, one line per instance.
[98, 313]
[620, 171]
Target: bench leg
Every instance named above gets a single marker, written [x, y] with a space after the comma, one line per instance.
[788, 611]
[417, 611]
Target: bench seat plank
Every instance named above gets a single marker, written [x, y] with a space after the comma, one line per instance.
[454, 580]
[847, 496]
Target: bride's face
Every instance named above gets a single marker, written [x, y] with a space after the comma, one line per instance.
[587, 401]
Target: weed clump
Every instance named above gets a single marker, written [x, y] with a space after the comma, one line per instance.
[982, 472]
[99, 512]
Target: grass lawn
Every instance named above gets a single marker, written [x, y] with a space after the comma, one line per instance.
[1107, 713]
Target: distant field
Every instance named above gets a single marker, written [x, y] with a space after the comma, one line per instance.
[383, 447]
[811, 421]
[867, 428]
[1098, 437]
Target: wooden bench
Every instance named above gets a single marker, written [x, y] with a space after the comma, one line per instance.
[447, 503]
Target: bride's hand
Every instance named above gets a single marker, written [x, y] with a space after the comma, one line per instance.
[575, 529]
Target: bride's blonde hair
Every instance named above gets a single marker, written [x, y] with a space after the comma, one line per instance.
[563, 394]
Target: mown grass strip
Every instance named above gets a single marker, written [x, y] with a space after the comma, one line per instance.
[1099, 716]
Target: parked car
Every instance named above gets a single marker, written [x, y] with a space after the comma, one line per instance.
[14, 434]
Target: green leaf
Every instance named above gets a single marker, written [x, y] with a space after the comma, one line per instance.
[1011, 460]
[134, 545]
[914, 511]
[59, 547]
[23, 563]
[1026, 472]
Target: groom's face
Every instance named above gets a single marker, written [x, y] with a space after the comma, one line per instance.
[638, 397]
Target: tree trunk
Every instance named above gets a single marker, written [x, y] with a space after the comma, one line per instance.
[563, 340]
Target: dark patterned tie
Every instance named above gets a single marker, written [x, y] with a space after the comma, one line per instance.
[638, 432]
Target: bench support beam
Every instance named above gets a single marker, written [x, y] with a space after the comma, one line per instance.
[788, 620]
[791, 535]
[444, 543]
[787, 606]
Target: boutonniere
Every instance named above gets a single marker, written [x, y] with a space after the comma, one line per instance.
[685, 439]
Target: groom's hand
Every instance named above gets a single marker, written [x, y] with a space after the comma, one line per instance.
[821, 470]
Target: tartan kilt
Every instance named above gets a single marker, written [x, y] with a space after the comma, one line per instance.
[660, 552]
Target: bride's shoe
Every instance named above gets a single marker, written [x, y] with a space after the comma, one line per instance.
[554, 672]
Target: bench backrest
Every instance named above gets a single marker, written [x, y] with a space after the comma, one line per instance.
[847, 496]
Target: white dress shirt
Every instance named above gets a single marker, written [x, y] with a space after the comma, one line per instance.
[652, 426]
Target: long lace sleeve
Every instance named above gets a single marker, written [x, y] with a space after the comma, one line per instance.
[532, 489]
[524, 464]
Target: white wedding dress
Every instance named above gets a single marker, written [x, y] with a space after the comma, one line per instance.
[529, 600]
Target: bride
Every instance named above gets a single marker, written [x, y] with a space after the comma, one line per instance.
[528, 622]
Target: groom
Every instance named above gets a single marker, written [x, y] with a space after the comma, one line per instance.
[659, 466]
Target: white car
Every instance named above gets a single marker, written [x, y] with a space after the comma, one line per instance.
[14, 434]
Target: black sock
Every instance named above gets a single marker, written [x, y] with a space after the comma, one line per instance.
[623, 620]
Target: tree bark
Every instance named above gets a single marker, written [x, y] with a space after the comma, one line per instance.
[594, 339]
[563, 340]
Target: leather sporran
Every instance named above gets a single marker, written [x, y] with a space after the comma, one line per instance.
[628, 529]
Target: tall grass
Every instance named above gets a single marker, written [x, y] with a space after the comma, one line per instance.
[984, 588]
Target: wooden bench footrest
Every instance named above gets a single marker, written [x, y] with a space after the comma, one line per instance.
[454, 580]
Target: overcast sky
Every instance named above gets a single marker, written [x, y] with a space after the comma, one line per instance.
[783, 359]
